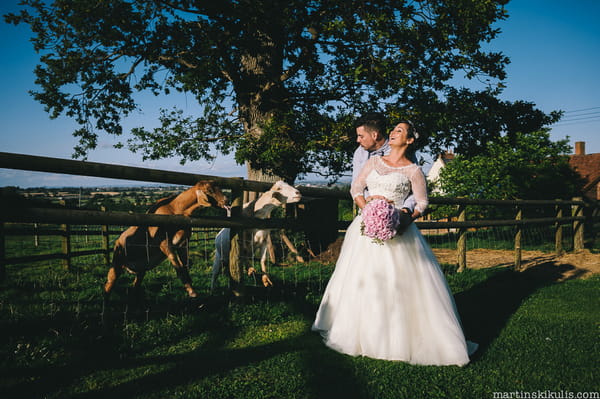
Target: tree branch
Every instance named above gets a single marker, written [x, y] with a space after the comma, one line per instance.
[132, 69]
[178, 60]
[288, 73]
[178, 8]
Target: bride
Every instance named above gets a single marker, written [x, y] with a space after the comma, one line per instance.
[391, 301]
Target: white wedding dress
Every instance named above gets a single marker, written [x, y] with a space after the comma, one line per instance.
[391, 301]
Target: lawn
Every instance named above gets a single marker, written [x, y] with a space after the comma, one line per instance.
[58, 340]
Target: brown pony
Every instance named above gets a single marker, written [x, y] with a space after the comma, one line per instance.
[139, 249]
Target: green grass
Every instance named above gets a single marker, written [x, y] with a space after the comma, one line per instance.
[59, 341]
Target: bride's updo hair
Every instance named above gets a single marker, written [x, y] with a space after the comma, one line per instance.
[412, 131]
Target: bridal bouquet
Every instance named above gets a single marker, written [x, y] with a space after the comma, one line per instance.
[380, 220]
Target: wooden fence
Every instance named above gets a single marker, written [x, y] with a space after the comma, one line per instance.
[22, 213]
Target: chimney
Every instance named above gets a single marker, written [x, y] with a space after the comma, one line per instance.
[447, 155]
[580, 148]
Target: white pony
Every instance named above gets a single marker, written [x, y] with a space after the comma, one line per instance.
[278, 195]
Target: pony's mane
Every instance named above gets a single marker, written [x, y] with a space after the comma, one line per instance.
[160, 203]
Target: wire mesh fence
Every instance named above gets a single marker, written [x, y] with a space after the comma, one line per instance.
[86, 250]
[47, 290]
[46, 240]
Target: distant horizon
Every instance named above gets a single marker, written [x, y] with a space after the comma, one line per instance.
[139, 184]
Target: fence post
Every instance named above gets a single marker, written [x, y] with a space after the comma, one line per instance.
[461, 244]
[105, 241]
[558, 233]
[235, 265]
[66, 243]
[36, 237]
[577, 211]
[2, 253]
[320, 220]
[518, 237]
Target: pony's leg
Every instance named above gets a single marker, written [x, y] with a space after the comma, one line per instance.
[263, 261]
[291, 246]
[181, 269]
[113, 274]
[184, 253]
[137, 281]
[115, 269]
[270, 249]
[137, 286]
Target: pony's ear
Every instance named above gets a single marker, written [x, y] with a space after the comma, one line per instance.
[279, 198]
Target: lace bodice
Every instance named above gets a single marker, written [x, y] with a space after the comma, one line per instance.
[394, 183]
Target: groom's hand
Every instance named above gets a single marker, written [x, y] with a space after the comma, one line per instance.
[405, 220]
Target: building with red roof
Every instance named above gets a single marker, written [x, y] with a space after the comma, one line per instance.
[588, 167]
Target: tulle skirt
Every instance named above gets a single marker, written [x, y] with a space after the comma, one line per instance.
[391, 302]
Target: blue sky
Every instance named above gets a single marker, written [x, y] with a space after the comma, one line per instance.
[554, 47]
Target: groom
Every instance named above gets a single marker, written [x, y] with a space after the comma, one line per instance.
[371, 135]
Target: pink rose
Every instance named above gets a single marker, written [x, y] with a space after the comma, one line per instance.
[380, 220]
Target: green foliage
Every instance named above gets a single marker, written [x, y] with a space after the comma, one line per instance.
[468, 121]
[346, 210]
[524, 166]
[278, 84]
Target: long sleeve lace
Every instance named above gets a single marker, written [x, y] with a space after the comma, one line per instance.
[359, 184]
[419, 189]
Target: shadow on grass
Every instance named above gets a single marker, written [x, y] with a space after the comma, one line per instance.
[97, 353]
[486, 308]
[176, 370]
[97, 348]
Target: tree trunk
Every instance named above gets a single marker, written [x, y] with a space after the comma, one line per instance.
[257, 175]
[260, 175]
[260, 95]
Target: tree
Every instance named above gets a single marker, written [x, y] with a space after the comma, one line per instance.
[468, 120]
[279, 82]
[524, 166]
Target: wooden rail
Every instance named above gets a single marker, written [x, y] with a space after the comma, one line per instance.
[89, 217]
[67, 217]
[96, 169]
